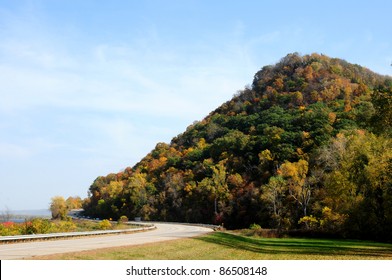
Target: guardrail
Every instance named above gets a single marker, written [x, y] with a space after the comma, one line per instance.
[34, 237]
[214, 227]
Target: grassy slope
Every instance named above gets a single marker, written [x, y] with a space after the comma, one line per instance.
[227, 246]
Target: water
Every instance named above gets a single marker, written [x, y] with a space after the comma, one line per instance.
[18, 221]
[20, 216]
[34, 213]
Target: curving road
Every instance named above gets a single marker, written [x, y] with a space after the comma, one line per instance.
[163, 232]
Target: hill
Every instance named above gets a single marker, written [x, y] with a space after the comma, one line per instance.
[306, 147]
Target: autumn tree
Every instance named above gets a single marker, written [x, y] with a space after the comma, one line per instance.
[58, 207]
[73, 202]
[174, 185]
[274, 195]
[299, 187]
[358, 183]
[382, 102]
[216, 185]
[137, 194]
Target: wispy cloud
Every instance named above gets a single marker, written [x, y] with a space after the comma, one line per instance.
[110, 99]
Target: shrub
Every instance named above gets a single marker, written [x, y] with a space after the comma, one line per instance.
[64, 226]
[254, 226]
[105, 224]
[123, 219]
[9, 228]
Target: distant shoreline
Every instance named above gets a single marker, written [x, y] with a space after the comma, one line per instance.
[20, 216]
[36, 212]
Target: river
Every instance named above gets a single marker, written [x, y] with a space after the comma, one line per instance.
[20, 216]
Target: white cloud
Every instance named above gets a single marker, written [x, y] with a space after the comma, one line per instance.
[116, 80]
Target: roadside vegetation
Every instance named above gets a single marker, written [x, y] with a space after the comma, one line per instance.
[235, 245]
[41, 226]
[62, 220]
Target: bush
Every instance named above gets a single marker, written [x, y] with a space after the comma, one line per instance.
[123, 219]
[9, 228]
[254, 226]
[105, 224]
[64, 226]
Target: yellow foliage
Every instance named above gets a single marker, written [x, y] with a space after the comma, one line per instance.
[310, 222]
[266, 155]
[114, 188]
[105, 224]
[202, 143]
[189, 187]
[331, 220]
[331, 117]
[296, 171]
[305, 135]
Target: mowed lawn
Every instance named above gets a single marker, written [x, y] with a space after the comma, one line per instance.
[229, 246]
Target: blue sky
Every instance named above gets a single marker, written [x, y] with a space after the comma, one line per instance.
[89, 87]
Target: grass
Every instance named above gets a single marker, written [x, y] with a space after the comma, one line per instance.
[229, 246]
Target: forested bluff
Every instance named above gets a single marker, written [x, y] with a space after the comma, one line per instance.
[306, 147]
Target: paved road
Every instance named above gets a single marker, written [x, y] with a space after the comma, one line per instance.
[162, 233]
